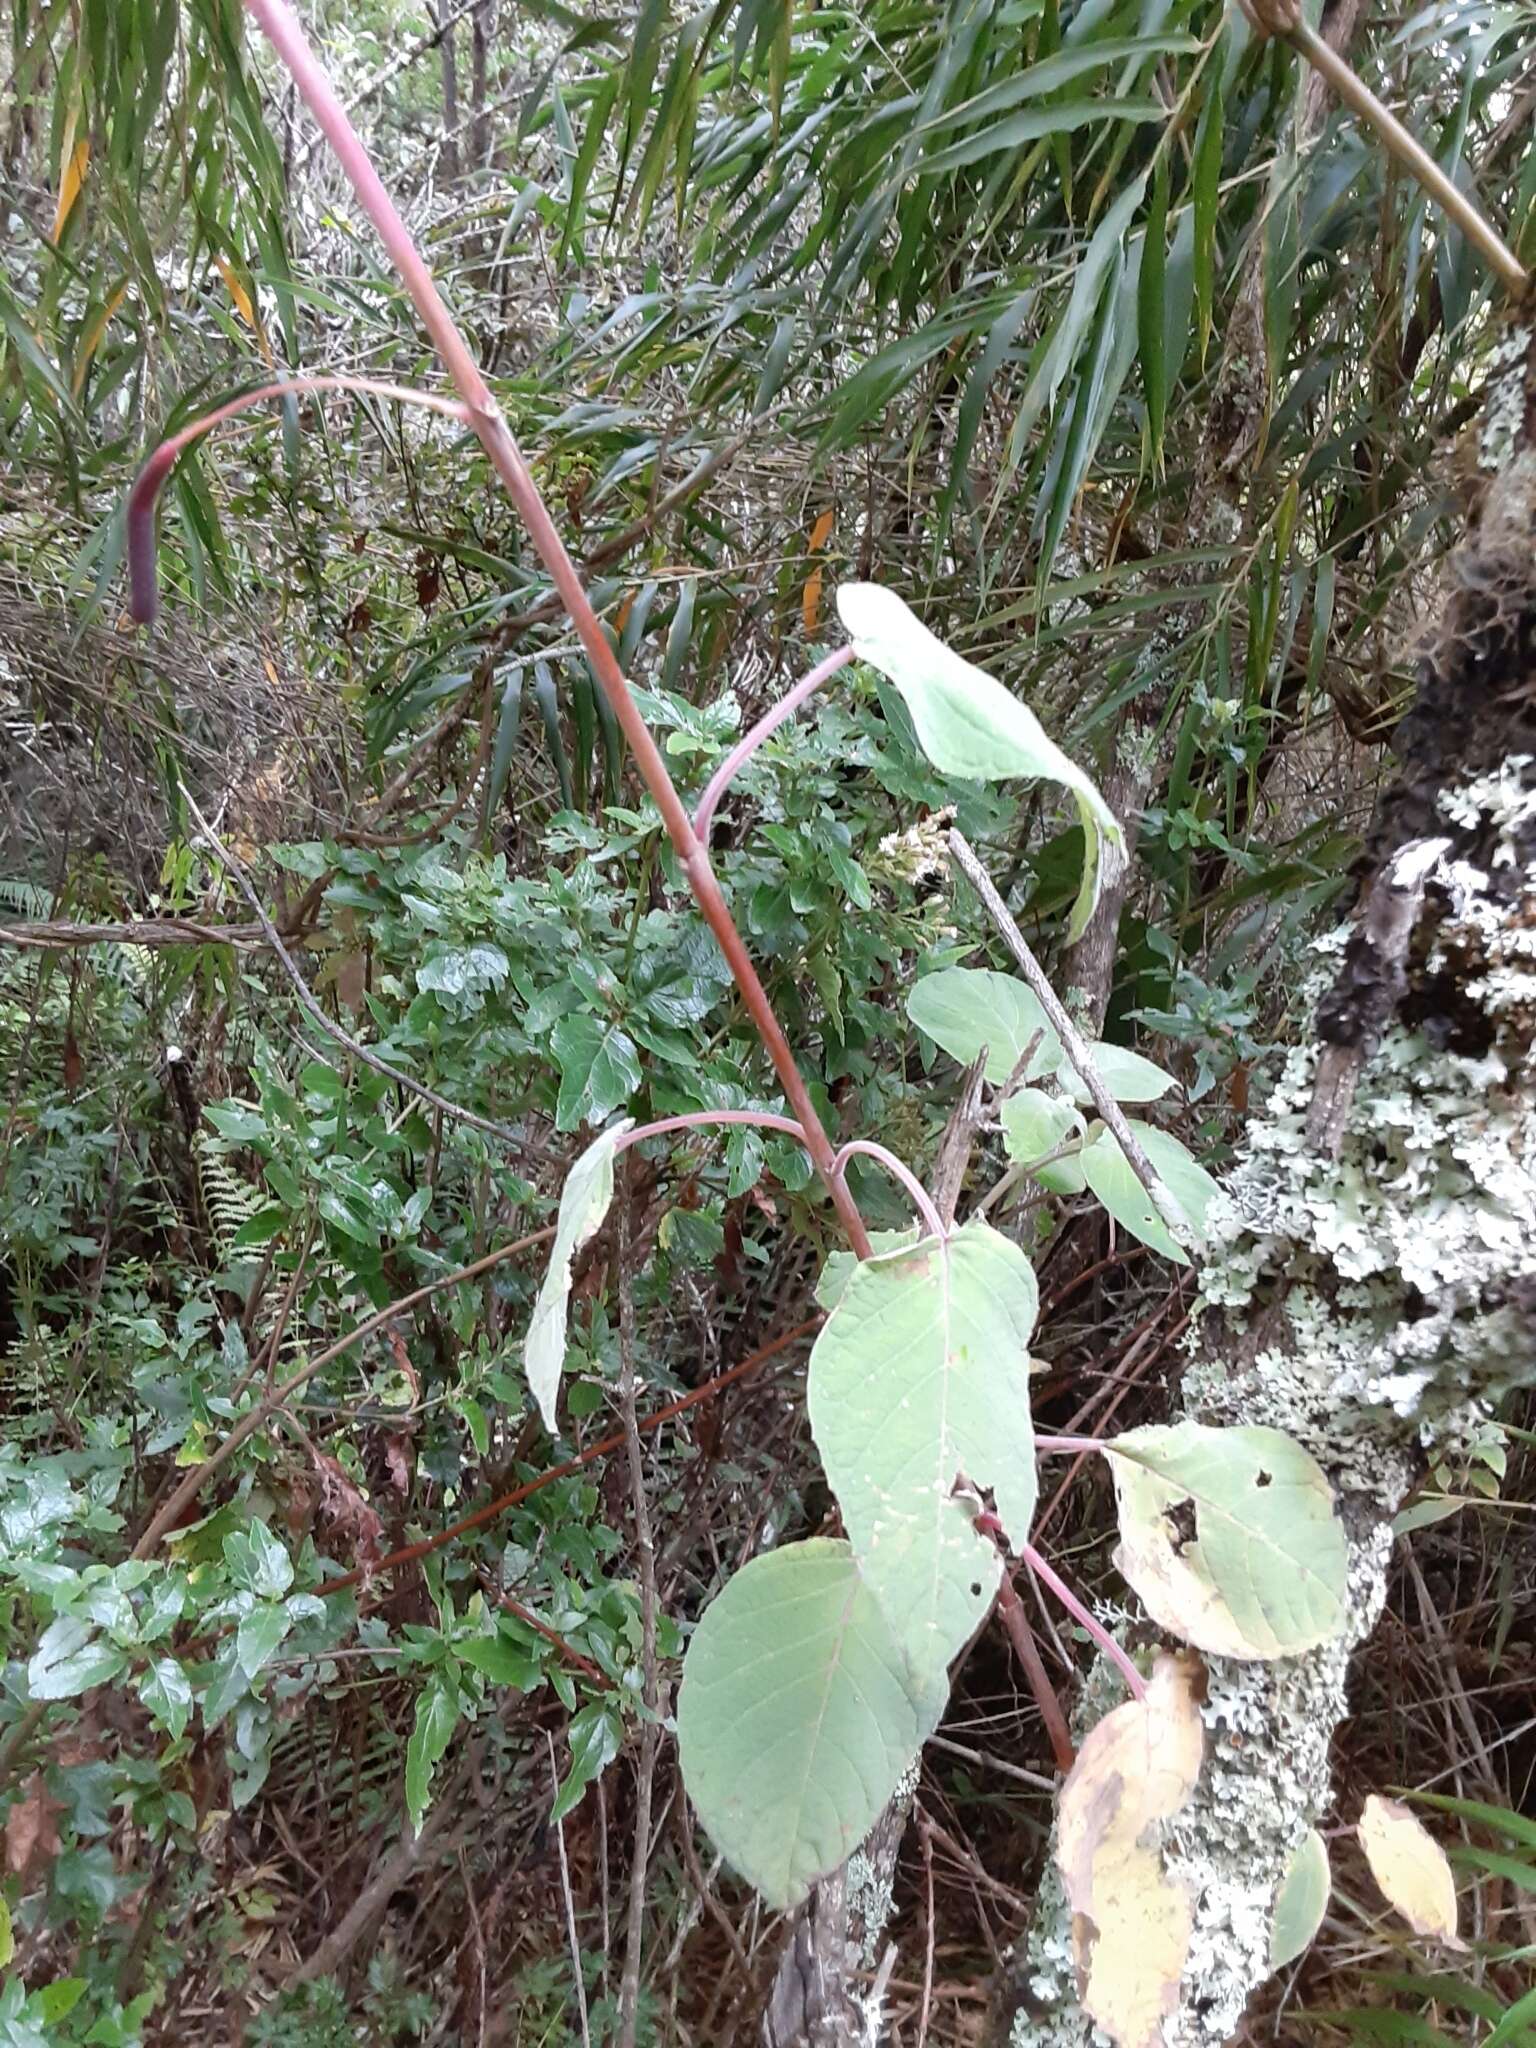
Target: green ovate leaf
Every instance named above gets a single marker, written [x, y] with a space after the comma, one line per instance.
[1230, 1538]
[963, 1009]
[1108, 1173]
[1300, 1902]
[798, 1713]
[69, 1659]
[1127, 1076]
[583, 1204]
[437, 1715]
[919, 1381]
[1034, 1125]
[969, 725]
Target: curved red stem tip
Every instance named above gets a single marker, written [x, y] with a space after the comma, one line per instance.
[143, 594]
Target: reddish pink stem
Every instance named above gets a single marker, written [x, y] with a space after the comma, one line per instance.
[1069, 1443]
[904, 1174]
[699, 1119]
[277, 18]
[1114, 1651]
[768, 724]
[147, 485]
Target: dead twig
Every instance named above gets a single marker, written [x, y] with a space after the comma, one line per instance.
[650, 1732]
[1072, 1042]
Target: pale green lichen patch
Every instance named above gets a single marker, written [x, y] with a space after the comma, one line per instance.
[1374, 1305]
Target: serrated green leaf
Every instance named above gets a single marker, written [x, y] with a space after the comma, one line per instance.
[798, 1713]
[1109, 1175]
[437, 1715]
[167, 1692]
[1300, 1902]
[260, 1635]
[1264, 1572]
[919, 1380]
[968, 725]
[963, 1009]
[583, 1204]
[260, 1228]
[594, 1743]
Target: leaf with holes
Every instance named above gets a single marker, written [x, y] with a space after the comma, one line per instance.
[1411, 1868]
[969, 725]
[919, 1386]
[1130, 1922]
[797, 1716]
[1109, 1174]
[963, 1009]
[1300, 1902]
[1230, 1537]
[584, 1203]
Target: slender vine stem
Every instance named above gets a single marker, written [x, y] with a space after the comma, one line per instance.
[282, 28]
[768, 724]
[933, 1223]
[1081, 1613]
[410, 1553]
[1071, 1038]
[147, 485]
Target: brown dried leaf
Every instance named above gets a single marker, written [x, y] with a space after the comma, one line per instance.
[1411, 1868]
[345, 1511]
[31, 1836]
[1131, 1923]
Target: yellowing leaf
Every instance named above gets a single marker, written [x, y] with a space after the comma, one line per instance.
[1411, 1868]
[810, 598]
[1130, 1922]
[90, 339]
[1230, 1537]
[70, 181]
[242, 302]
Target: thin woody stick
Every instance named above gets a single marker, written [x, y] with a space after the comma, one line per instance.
[1285, 19]
[1077, 1052]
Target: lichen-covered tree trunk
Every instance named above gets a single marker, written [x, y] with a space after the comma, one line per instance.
[1371, 1285]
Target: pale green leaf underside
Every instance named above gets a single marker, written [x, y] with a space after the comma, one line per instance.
[840, 1266]
[1264, 1574]
[1300, 1902]
[1108, 1173]
[969, 725]
[1126, 1074]
[584, 1202]
[963, 1009]
[1034, 1125]
[797, 1715]
[920, 1378]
